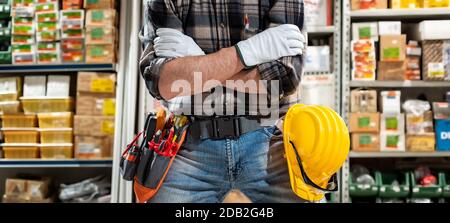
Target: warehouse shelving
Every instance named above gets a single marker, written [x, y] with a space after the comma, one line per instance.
[33, 68]
[72, 163]
[315, 30]
[397, 154]
[411, 15]
[399, 84]
[422, 13]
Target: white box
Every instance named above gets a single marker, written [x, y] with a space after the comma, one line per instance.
[392, 141]
[8, 84]
[34, 86]
[317, 59]
[316, 13]
[430, 30]
[58, 85]
[392, 122]
[390, 28]
[390, 102]
[362, 30]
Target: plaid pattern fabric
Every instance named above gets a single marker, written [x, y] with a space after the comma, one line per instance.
[216, 24]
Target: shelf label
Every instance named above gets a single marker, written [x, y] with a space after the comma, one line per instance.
[365, 140]
[391, 123]
[103, 85]
[108, 127]
[109, 106]
[363, 122]
[364, 33]
[97, 15]
[436, 70]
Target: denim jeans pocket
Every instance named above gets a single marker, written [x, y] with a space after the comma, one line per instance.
[272, 131]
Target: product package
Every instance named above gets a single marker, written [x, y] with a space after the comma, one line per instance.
[392, 47]
[94, 125]
[390, 102]
[389, 28]
[365, 30]
[364, 122]
[395, 70]
[420, 143]
[104, 53]
[93, 147]
[366, 142]
[96, 104]
[101, 17]
[363, 100]
[317, 59]
[392, 122]
[413, 56]
[93, 82]
[436, 60]
[392, 141]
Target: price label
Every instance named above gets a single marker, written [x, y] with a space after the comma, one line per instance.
[102, 85]
[108, 127]
[109, 107]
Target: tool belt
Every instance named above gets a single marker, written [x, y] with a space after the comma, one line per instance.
[148, 162]
[222, 127]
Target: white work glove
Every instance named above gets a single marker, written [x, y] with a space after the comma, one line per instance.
[271, 44]
[173, 43]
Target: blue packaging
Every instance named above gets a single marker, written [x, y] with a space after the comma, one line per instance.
[442, 127]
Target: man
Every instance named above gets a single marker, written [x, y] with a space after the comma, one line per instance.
[223, 40]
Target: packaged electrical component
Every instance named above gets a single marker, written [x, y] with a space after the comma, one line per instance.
[48, 47]
[48, 36]
[72, 33]
[364, 122]
[23, 58]
[48, 57]
[72, 44]
[392, 141]
[365, 142]
[24, 48]
[102, 53]
[390, 102]
[22, 39]
[47, 26]
[363, 100]
[365, 30]
[47, 7]
[392, 47]
[106, 35]
[413, 56]
[101, 17]
[47, 17]
[99, 4]
[73, 56]
[72, 4]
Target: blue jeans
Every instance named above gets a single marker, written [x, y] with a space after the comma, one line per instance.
[205, 170]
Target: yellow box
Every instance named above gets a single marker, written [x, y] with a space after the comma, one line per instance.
[420, 143]
[20, 151]
[46, 104]
[19, 121]
[21, 136]
[436, 3]
[94, 125]
[56, 151]
[10, 96]
[56, 120]
[62, 135]
[411, 4]
[10, 107]
[96, 82]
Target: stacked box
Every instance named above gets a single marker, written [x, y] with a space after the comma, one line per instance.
[5, 33]
[363, 59]
[72, 4]
[392, 122]
[364, 128]
[99, 4]
[10, 89]
[72, 43]
[363, 100]
[26, 190]
[23, 31]
[436, 60]
[94, 120]
[47, 32]
[392, 57]
[100, 35]
[413, 54]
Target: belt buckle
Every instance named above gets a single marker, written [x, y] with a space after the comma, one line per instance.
[227, 127]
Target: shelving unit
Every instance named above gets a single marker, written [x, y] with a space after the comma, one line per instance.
[73, 170]
[411, 15]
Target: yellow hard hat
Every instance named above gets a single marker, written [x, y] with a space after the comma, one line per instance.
[316, 142]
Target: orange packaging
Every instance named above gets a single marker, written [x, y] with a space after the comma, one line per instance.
[72, 4]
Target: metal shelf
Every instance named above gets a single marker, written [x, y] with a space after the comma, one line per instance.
[56, 68]
[424, 13]
[321, 30]
[39, 163]
[400, 84]
[397, 154]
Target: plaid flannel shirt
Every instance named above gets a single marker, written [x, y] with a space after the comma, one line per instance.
[218, 24]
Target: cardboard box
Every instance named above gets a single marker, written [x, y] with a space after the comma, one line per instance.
[442, 134]
[106, 35]
[72, 4]
[372, 4]
[436, 3]
[318, 13]
[412, 62]
[99, 4]
[441, 110]
[363, 100]
[390, 102]
[365, 30]
[389, 28]
[419, 124]
[102, 17]
[364, 122]
[430, 30]
[18, 199]
[392, 47]
[96, 82]
[73, 56]
[420, 143]
[93, 147]
[395, 70]
[104, 53]
[365, 142]
[392, 122]
[317, 59]
[435, 60]
[28, 189]
[58, 85]
[72, 34]
[15, 187]
[392, 141]
[96, 104]
[34, 86]
[93, 125]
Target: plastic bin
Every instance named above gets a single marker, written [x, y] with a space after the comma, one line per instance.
[20, 136]
[5, 30]
[446, 188]
[5, 10]
[9, 96]
[56, 120]
[387, 190]
[46, 104]
[360, 190]
[19, 121]
[56, 151]
[418, 191]
[20, 151]
[5, 56]
[9, 107]
[56, 135]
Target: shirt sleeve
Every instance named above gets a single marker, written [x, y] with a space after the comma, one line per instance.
[287, 70]
[158, 14]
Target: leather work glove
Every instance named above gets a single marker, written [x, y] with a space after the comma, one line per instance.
[271, 44]
[173, 43]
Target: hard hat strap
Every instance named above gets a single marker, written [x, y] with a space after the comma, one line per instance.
[332, 184]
